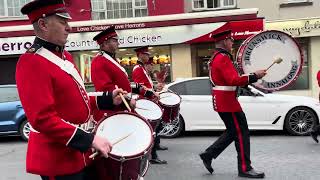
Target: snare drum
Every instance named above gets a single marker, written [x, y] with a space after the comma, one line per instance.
[128, 158]
[150, 111]
[170, 102]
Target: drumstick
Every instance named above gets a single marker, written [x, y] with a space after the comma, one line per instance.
[276, 61]
[116, 142]
[124, 100]
[142, 108]
[164, 97]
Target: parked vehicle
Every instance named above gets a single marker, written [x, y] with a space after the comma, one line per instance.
[13, 120]
[295, 114]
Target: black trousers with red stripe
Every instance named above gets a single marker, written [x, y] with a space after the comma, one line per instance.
[237, 131]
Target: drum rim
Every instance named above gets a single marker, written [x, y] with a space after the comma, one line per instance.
[116, 157]
[152, 120]
[244, 44]
[170, 105]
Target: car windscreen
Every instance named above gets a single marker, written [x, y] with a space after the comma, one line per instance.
[192, 87]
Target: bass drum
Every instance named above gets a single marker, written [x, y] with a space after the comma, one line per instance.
[261, 50]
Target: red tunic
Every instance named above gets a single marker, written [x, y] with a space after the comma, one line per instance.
[140, 75]
[55, 105]
[106, 73]
[225, 78]
[318, 78]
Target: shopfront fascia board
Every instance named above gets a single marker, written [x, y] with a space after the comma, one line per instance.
[143, 22]
[196, 33]
[297, 27]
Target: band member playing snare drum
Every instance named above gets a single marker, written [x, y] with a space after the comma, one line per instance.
[225, 79]
[140, 75]
[55, 100]
[107, 74]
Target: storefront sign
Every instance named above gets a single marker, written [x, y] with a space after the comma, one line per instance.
[140, 37]
[297, 28]
[103, 27]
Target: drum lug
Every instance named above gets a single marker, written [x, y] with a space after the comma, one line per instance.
[122, 159]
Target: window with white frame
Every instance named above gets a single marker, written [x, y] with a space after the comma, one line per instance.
[114, 9]
[213, 4]
[296, 1]
[11, 8]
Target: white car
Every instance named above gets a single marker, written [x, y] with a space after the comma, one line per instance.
[295, 114]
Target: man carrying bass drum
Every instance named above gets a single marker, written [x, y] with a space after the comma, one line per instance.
[225, 80]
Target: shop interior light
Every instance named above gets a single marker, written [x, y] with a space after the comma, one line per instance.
[122, 49]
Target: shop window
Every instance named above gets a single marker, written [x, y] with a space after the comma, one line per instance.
[296, 1]
[212, 4]
[203, 53]
[11, 8]
[85, 67]
[293, 3]
[128, 59]
[8, 69]
[161, 58]
[114, 9]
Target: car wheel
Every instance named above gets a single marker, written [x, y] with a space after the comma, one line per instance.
[172, 129]
[24, 130]
[300, 121]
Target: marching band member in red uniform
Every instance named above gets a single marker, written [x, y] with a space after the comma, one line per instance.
[107, 73]
[316, 130]
[225, 80]
[55, 100]
[140, 75]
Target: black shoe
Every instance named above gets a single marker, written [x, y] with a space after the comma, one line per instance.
[252, 174]
[161, 148]
[314, 136]
[207, 162]
[157, 161]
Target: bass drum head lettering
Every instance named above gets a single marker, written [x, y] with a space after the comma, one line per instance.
[261, 50]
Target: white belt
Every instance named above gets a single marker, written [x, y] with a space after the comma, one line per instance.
[224, 88]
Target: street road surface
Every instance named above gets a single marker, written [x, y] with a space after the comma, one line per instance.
[280, 156]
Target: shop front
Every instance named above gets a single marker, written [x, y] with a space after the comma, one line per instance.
[307, 33]
[179, 44]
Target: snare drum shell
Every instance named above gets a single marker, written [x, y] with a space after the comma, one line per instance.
[170, 112]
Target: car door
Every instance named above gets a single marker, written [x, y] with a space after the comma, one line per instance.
[9, 106]
[257, 107]
[196, 107]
